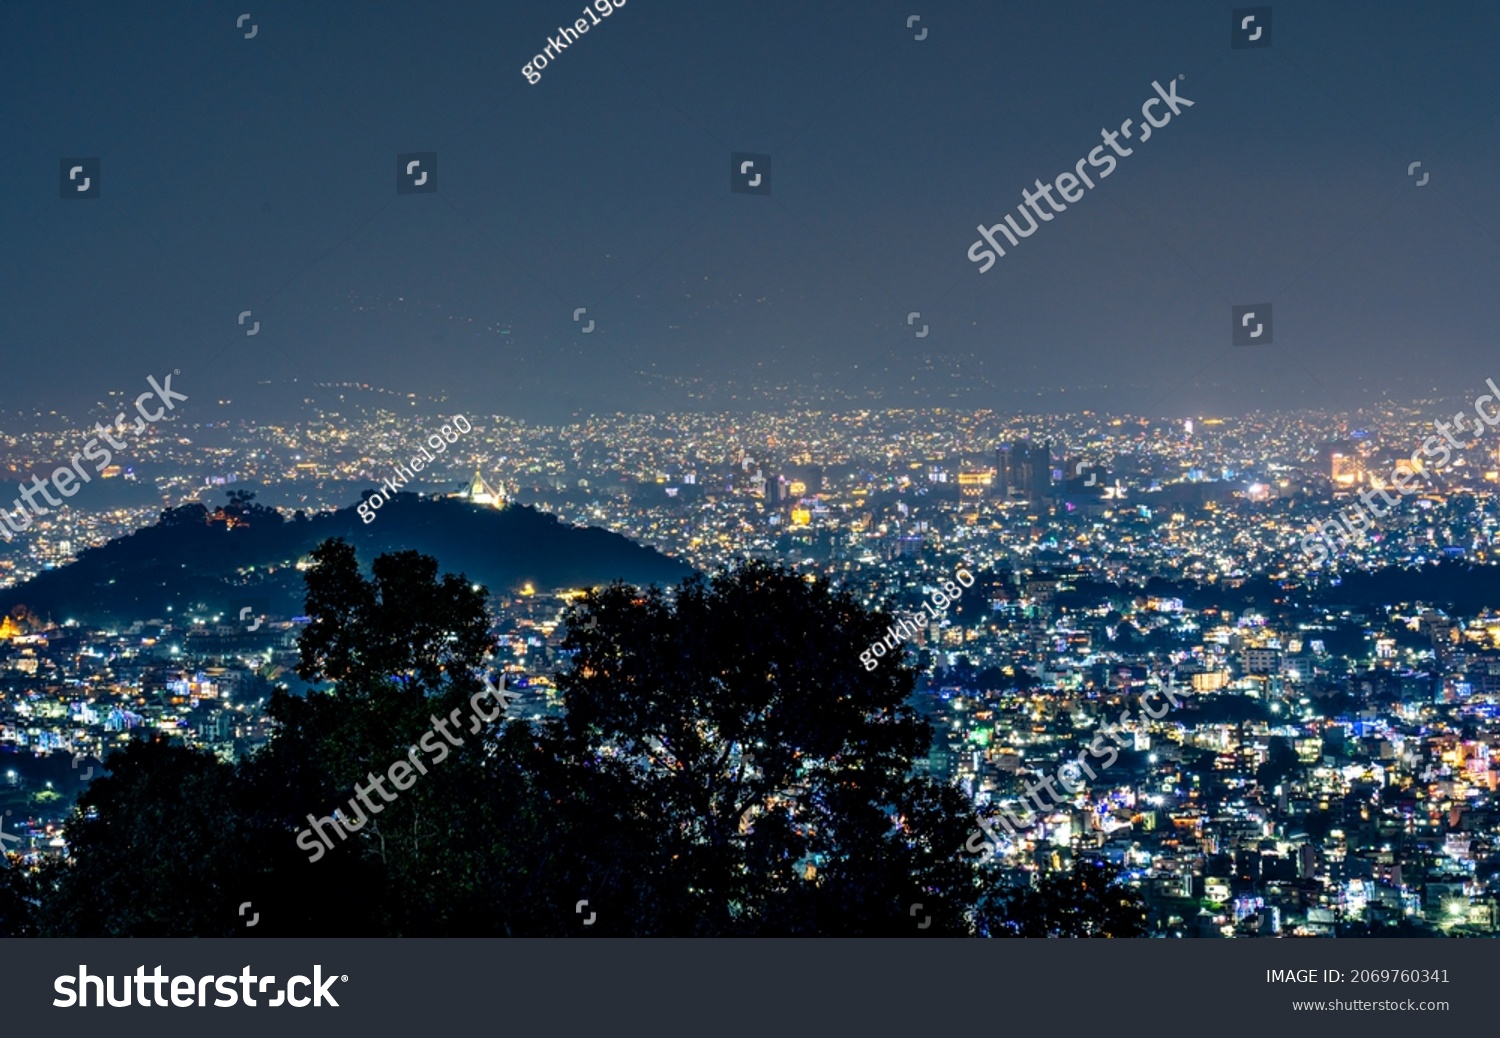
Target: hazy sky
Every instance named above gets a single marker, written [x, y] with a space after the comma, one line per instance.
[260, 174]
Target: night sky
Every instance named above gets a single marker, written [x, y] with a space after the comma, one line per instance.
[260, 174]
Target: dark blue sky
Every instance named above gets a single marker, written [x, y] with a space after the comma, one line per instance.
[260, 174]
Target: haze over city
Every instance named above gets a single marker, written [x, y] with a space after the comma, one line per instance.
[256, 174]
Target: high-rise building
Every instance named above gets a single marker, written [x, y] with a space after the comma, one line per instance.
[1023, 471]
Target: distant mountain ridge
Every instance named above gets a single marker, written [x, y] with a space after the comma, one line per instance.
[198, 563]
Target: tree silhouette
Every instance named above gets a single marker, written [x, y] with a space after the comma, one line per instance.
[724, 765]
[192, 514]
[156, 850]
[399, 649]
[173, 841]
[734, 725]
[1086, 902]
[20, 899]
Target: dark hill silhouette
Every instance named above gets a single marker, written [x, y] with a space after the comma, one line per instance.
[196, 562]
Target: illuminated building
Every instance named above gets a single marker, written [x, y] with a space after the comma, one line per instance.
[975, 483]
[1346, 469]
[479, 492]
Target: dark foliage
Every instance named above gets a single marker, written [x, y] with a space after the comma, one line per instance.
[1084, 903]
[725, 766]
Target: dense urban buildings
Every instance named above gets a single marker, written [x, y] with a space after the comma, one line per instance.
[1326, 759]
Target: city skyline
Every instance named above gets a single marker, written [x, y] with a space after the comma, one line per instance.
[1332, 768]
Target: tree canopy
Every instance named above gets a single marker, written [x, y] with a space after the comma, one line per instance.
[723, 765]
[1086, 902]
